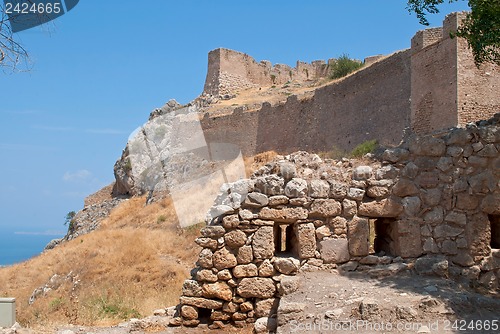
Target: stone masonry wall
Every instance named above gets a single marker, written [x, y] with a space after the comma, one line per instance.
[230, 71]
[434, 85]
[447, 89]
[431, 205]
[342, 114]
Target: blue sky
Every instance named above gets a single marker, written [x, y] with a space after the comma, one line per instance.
[99, 70]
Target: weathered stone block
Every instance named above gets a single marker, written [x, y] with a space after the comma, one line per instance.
[224, 259]
[362, 173]
[219, 290]
[207, 243]
[384, 208]
[256, 200]
[235, 239]
[263, 243]
[457, 218]
[427, 145]
[266, 307]
[189, 312]
[405, 187]
[245, 270]
[201, 302]
[206, 275]
[231, 221]
[407, 238]
[288, 285]
[339, 225]
[266, 269]
[296, 188]
[356, 194]
[319, 189]
[213, 232]
[286, 215]
[395, 154]
[431, 197]
[434, 216]
[270, 185]
[205, 258]
[349, 208]
[491, 204]
[224, 275]
[411, 206]
[377, 192]
[191, 288]
[325, 208]
[446, 231]
[306, 237]
[358, 231]
[287, 266]
[338, 190]
[244, 255]
[323, 232]
[278, 200]
[287, 169]
[466, 201]
[334, 250]
[256, 287]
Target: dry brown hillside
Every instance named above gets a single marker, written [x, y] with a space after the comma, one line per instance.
[133, 264]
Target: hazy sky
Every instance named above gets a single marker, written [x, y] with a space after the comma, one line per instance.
[99, 70]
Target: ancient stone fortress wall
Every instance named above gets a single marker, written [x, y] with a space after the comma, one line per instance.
[433, 85]
[447, 89]
[430, 205]
[230, 71]
[341, 114]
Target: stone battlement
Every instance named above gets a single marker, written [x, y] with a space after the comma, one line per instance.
[230, 71]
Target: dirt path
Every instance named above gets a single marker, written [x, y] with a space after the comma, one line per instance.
[355, 303]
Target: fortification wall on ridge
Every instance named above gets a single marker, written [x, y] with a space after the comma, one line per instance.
[342, 114]
[230, 71]
[434, 85]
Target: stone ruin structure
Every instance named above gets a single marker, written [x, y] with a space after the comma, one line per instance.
[230, 71]
[430, 205]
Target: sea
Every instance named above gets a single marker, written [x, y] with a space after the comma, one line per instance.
[17, 247]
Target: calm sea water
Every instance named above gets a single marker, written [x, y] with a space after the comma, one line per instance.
[15, 248]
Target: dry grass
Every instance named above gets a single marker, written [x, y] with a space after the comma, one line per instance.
[257, 161]
[135, 263]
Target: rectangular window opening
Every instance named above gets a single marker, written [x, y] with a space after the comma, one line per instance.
[495, 231]
[284, 239]
[204, 315]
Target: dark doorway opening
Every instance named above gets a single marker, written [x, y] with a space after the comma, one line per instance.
[204, 315]
[495, 231]
[381, 242]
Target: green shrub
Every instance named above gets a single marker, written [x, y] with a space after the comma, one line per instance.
[343, 66]
[161, 219]
[368, 146]
[107, 308]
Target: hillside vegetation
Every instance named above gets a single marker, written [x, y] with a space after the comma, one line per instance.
[133, 264]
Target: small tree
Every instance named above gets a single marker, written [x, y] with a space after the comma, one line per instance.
[481, 27]
[343, 66]
[69, 219]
